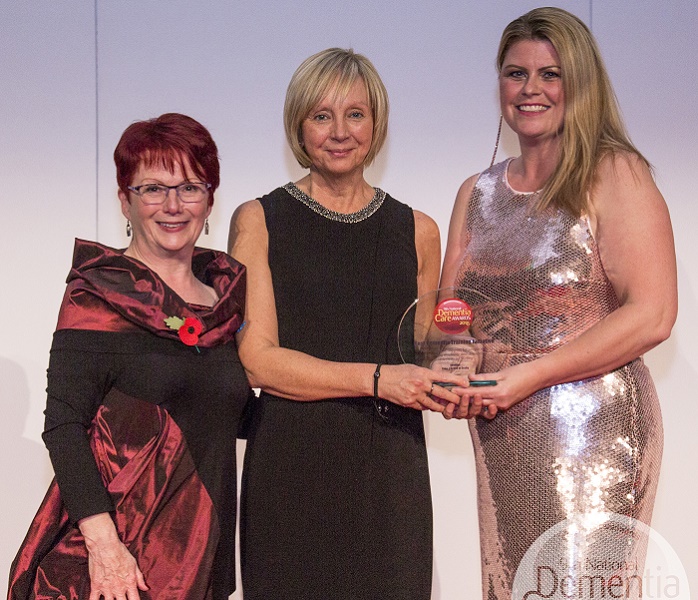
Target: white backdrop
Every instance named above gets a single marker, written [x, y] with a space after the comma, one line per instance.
[74, 74]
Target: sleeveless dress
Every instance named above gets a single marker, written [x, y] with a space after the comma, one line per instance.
[578, 455]
[142, 424]
[336, 503]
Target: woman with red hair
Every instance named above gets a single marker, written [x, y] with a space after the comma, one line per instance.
[145, 391]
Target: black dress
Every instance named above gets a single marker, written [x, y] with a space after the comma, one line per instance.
[336, 501]
[141, 422]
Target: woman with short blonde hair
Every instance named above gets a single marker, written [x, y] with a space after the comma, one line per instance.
[335, 488]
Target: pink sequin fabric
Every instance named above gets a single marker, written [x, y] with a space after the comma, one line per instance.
[575, 453]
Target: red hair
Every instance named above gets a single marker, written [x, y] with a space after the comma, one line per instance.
[167, 141]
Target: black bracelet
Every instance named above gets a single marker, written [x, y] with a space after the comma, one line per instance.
[376, 377]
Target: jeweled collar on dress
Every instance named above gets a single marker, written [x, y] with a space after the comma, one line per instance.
[355, 217]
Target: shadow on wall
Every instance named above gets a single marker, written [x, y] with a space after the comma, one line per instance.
[24, 466]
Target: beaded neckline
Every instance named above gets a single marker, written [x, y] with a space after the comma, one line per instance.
[355, 217]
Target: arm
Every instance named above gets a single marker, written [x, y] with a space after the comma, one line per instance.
[457, 233]
[458, 239]
[298, 376]
[428, 243]
[635, 241]
[77, 382]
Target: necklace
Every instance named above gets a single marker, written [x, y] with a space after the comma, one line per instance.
[355, 217]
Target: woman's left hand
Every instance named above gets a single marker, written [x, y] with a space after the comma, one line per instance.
[114, 572]
[513, 385]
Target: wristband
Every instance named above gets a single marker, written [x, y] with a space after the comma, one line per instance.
[376, 377]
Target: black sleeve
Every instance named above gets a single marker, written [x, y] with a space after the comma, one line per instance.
[78, 380]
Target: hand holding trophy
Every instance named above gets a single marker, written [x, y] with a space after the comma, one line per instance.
[449, 329]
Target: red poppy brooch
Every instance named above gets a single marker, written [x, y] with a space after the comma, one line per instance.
[187, 329]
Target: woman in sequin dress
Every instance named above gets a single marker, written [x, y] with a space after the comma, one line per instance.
[572, 243]
[335, 488]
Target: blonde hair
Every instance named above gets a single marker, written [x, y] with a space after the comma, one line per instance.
[339, 69]
[593, 126]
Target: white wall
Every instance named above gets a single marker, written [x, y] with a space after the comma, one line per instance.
[75, 75]
[47, 197]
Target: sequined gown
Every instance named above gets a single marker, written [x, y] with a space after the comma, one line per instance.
[575, 452]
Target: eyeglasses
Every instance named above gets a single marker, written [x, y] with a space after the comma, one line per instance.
[156, 193]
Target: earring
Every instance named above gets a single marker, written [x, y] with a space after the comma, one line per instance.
[206, 227]
[129, 229]
[496, 144]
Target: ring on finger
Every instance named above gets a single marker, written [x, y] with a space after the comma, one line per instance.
[431, 389]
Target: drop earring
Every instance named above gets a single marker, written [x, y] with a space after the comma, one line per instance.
[206, 227]
[129, 229]
[496, 144]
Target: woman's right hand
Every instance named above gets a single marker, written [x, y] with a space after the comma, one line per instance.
[417, 387]
[114, 574]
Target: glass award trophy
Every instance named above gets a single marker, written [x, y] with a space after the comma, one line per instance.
[452, 329]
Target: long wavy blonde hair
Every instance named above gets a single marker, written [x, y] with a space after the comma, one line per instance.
[593, 126]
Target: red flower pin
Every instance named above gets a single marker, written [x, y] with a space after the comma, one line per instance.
[187, 329]
[189, 332]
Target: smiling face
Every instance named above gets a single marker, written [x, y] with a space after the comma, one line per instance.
[168, 230]
[531, 92]
[338, 132]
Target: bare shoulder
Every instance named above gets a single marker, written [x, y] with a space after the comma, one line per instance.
[427, 237]
[622, 171]
[622, 163]
[466, 188]
[425, 226]
[247, 226]
[460, 209]
[248, 212]
[624, 182]
[427, 241]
